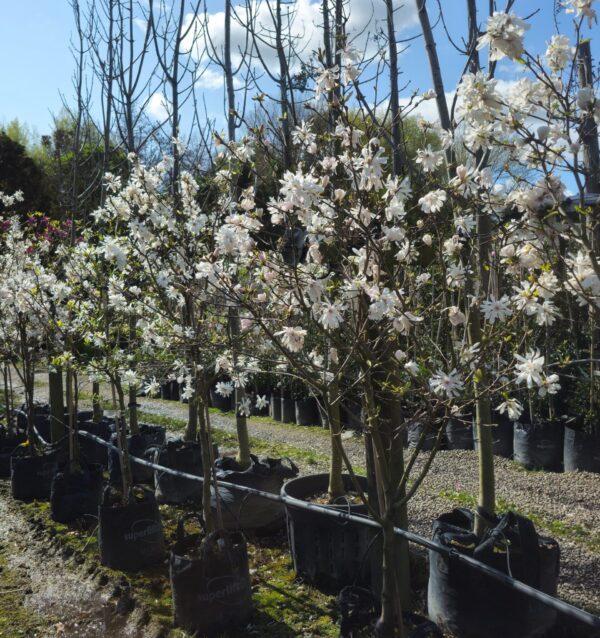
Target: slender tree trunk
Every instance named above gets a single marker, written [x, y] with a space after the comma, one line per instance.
[243, 456]
[336, 484]
[7, 410]
[589, 130]
[228, 73]
[191, 428]
[394, 98]
[96, 403]
[126, 475]
[390, 624]
[72, 412]
[57, 406]
[134, 427]
[205, 447]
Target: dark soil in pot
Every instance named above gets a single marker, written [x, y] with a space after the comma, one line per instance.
[76, 494]
[459, 433]
[31, 476]
[469, 604]
[539, 446]
[581, 449]
[210, 581]
[502, 437]
[130, 537]
[243, 511]
[184, 456]
[327, 552]
[306, 411]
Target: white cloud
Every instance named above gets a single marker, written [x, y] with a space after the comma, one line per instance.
[158, 106]
[305, 26]
[210, 79]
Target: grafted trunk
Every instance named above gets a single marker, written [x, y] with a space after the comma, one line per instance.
[57, 405]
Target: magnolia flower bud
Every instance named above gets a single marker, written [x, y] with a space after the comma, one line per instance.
[542, 132]
[400, 355]
[427, 240]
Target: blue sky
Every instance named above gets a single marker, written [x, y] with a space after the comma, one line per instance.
[36, 64]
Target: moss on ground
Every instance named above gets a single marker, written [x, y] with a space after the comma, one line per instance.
[15, 618]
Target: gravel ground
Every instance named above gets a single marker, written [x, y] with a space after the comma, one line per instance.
[564, 505]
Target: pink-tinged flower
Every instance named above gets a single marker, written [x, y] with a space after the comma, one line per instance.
[292, 338]
[448, 383]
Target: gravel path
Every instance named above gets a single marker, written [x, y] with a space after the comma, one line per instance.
[565, 506]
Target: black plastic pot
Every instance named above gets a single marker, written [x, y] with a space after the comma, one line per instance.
[275, 407]
[288, 410]
[306, 411]
[242, 511]
[469, 604]
[327, 552]
[138, 447]
[539, 446]
[351, 414]
[211, 588]
[459, 434]
[130, 537]
[153, 434]
[225, 404]
[9, 444]
[92, 451]
[76, 494]
[502, 436]
[415, 431]
[581, 450]
[184, 456]
[31, 476]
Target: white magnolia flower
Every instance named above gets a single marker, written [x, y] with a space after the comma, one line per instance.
[433, 201]
[530, 368]
[412, 367]
[546, 313]
[224, 388]
[496, 309]
[582, 8]
[456, 316]
[550, 385]
[429, 159]
[261, 401]
[292, 338]
[245, 407]
[448, 383]
[152, 388]
[330, 315]
[559, 52]
[512, 408]
[504, 33]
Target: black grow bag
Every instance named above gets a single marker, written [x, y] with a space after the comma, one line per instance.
[9, 445]
[275, 407]
[416, 430]
[92, 451]
[76, 494]
[328, 552]
[288, 410]
[539, 446]
[31, 476]
[138, 447]
[502, 438]
[210, 581]
[243, 511]
[581, 449]
[306, 411]
[459, 434]
[469, 604]
[130, 537]
[225, 404]
[184, 456]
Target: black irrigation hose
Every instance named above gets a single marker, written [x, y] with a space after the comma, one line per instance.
[557, 604]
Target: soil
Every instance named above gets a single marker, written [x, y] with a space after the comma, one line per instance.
[43, 593]
[322, 498]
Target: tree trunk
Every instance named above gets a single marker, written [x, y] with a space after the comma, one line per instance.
[589, 130]
[390, 623]
[57, 406]
[394, 98]
[127, 480]
[72, 411]
[191, 428]
[205, 447]
[243, 456]
[336, 484]
[7, 392]
[96, 402]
